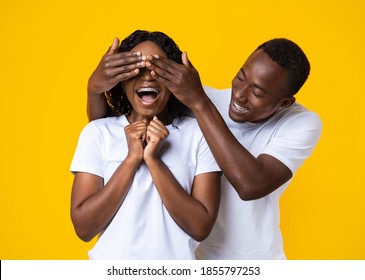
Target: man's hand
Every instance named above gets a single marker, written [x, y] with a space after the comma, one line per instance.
[181, 79]
[114, 68]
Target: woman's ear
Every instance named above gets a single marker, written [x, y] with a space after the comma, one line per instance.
[122, 86]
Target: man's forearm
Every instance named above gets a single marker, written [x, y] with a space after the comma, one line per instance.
[239, 166]
[97, 106]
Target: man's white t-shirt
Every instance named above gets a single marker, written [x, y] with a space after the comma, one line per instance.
[251, 229]
[143, 228]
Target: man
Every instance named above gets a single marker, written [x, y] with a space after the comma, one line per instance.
[258, 134]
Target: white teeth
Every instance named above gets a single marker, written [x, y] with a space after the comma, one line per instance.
[239, 108]
[148, 90]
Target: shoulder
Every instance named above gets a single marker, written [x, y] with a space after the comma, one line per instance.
[210, 91]
[107, 123]
[220, 98]
[300, 115]
[186, 129]
[101, 128]
[185, 123]
[296, 124]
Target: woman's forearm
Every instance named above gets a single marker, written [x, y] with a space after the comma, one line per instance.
[93, 206]
[192, 215]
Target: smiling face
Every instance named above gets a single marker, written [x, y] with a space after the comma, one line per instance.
[259, 89]
[147, 97]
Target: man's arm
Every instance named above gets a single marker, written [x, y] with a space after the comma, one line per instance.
[112, 69]
[252, 177]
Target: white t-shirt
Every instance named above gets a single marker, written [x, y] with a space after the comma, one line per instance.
[251, 229]
[142, 227]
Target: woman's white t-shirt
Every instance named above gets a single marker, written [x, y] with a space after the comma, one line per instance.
[143, 228]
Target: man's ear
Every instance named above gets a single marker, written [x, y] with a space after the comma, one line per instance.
[287, 102]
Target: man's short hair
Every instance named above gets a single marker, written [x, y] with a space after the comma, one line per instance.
[291, 57]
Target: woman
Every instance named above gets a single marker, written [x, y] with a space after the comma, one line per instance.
[145, 180]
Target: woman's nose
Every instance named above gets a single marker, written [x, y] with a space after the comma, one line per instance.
[145, 73]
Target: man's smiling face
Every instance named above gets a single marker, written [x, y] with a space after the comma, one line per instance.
[259, 89]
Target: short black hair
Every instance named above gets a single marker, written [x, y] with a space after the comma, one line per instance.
[291, 57]
[116, 97]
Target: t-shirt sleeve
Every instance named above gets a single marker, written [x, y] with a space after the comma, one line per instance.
[88, 154]
[295, 140]
[206, 161]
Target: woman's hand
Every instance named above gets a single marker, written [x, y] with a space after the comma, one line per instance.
[145, 139]
[155, 136]
[136, 134]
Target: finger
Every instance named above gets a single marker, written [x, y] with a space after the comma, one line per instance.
[156, 120]
[184, 58]
[124, 58]
[162, 62]
[162, 80]
[158, 128]
[114, 47]
[124, 76]
[167, 69]
[162, 72]
[140, 125]
[144, 136]
[155, 136]
[136, 127]
[111, 70]
[139, 134]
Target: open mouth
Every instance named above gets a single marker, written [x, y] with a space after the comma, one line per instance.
[147, 95]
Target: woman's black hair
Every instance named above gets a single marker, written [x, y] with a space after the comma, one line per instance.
[117, 98]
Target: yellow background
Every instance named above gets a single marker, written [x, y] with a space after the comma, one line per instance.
[48, 50]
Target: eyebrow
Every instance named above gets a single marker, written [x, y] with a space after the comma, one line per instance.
[254, 84]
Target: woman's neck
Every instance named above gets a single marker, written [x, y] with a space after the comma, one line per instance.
[163, 116]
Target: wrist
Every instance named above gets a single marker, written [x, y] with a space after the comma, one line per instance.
[200, 103]
[92, 89]
[151, 161]
[133, 160]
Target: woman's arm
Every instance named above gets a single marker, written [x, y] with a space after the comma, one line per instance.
[195, 213]
[93, 205]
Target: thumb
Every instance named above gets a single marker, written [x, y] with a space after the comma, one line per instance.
[185, 60]
[114, 47]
